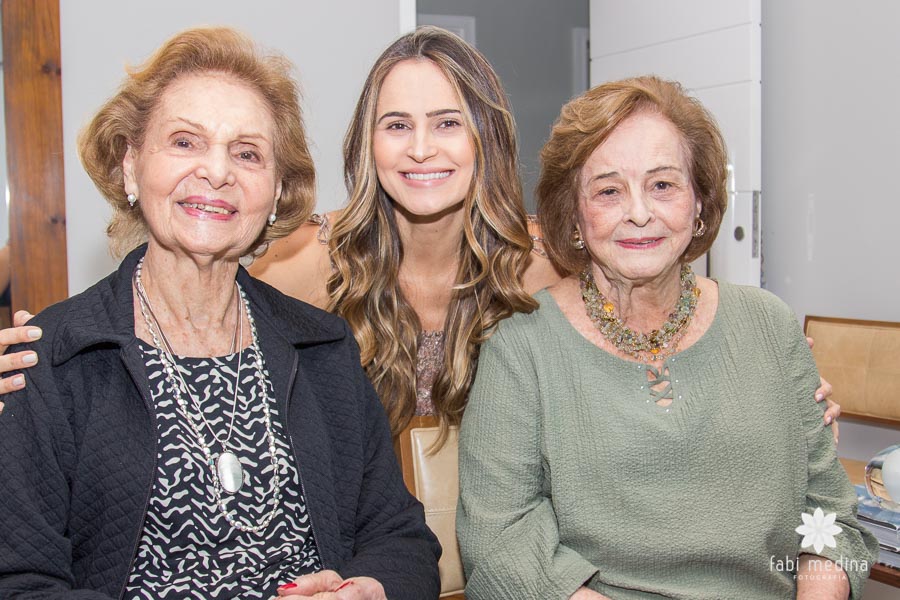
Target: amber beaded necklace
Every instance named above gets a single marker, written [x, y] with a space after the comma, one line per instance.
[646, 347]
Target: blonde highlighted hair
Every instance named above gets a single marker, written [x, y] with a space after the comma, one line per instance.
[122, 122]
[585, 123]
[367, 251]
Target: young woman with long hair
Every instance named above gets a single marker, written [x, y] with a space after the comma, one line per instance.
[433, 247]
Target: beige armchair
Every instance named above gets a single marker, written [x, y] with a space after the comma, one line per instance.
[433, 478]
[859, 358]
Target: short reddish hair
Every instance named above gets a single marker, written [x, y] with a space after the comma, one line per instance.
[587, 121]
[122, 121]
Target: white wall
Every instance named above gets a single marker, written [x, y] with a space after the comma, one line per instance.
[831, 209]
[332, 43]
[529, 44]
[830, 154]
[830, 126]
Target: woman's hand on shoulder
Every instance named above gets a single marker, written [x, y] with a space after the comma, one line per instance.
[298, 264]
[328, 585]
[18, 334]
[832, 408]
[539, 271]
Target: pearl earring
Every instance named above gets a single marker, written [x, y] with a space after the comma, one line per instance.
[272, 218]
[132, 200]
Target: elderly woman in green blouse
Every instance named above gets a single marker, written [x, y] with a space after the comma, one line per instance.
[605, 450]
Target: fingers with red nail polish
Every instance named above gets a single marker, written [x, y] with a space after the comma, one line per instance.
[328, 585]
[312, 584]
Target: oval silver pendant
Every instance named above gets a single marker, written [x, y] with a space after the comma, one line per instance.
[231, 473]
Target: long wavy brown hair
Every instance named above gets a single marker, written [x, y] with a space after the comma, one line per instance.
[367, 251]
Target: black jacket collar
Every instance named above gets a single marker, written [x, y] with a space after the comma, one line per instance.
[104, 313]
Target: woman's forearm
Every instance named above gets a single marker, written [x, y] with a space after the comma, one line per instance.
[584, 593]
[821, 579]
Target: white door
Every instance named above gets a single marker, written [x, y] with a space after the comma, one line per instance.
[713, 48]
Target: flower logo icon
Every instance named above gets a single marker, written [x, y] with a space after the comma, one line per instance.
[818, 530]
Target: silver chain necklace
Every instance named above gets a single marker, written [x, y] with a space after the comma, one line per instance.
[227, 471]
[237, 337]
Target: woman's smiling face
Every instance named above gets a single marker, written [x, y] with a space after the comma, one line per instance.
[424, 155]
[637, 207]
[205, 175]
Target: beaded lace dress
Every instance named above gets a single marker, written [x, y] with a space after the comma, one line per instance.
[429, 357]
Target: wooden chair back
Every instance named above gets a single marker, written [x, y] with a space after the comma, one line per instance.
[859, 358]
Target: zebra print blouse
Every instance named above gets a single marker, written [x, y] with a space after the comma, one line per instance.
[187, 549]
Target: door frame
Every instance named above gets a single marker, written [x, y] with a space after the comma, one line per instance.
[32, 79]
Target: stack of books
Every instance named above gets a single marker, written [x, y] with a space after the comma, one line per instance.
[884, 525]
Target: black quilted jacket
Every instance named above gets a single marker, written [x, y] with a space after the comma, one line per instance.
[78, 450]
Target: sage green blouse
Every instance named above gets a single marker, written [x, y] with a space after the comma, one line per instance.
[570, 472]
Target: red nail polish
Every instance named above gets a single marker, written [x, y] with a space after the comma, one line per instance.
[343, 585]
[287, 586]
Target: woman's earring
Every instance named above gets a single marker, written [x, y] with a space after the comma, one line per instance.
[272, 218]
[699, 228]
[132, 200]
[577, 242]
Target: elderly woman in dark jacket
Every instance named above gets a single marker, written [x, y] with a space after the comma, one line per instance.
[192, 431]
